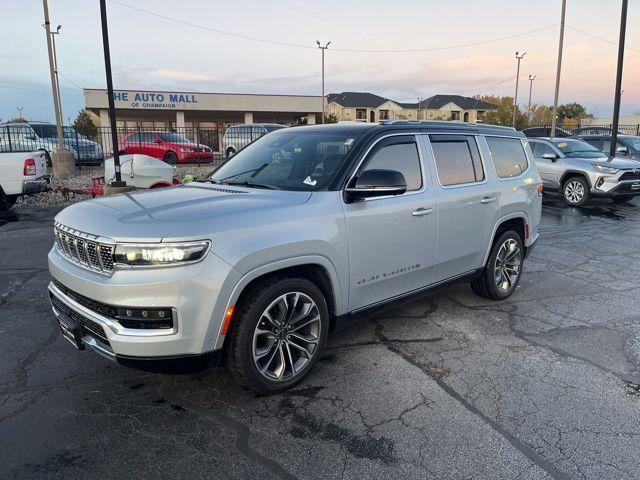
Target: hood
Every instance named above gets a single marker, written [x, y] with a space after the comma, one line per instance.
[152, 215]
[621, 163]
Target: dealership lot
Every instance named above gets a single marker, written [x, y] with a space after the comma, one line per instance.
[543, 385]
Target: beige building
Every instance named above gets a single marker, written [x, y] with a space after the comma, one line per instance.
[368, 107]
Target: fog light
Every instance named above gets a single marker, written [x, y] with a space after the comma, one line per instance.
[599, 182]
[145, 317]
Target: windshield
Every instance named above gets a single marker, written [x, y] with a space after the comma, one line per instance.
[634, 143]
[45, 131]
[288, 160]
[173, 137]
[578, 149]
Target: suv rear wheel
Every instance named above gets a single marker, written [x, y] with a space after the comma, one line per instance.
[575, 191]
[279, 334]
[502, 272]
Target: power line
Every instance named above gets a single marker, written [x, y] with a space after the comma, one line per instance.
[69, 80]
[600, 38]
[299, 45]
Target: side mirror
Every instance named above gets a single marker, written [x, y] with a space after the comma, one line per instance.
[377, 183]
[550, 156]
[624, 150]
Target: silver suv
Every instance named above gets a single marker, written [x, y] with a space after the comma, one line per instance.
[239, 136]
[302, 230]
[579, 171]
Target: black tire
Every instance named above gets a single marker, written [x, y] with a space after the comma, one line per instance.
[230, 152]
[486, 284]
[622, 198]
[581, 197]
[240, 350]
[6, 201]
[171, 157]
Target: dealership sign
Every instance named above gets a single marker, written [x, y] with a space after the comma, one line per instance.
[159, 100]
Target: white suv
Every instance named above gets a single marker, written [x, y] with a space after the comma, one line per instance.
[239, 136]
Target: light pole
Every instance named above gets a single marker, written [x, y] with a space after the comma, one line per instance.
[323, 48]
[19, 111]
[554, 114]
[515, 97]
[531, 79]
[55, 67]
[56, 105]
[112, 106]
[616, 102]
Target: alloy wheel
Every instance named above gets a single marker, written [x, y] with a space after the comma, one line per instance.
[574, 191]
[507, 266]
[286, 336]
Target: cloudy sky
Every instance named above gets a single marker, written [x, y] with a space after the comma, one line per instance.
[152, 51]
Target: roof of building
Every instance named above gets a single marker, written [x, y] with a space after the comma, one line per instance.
[371, 100]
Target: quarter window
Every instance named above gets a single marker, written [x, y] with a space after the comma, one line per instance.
[457, 159]
[508, 156]
[402, 157]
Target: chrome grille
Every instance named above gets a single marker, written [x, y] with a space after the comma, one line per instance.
[84, 249]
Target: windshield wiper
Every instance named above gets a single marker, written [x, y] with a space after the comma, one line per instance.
[246, 183]
[253, 171]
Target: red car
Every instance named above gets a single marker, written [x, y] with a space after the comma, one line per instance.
[167, 146]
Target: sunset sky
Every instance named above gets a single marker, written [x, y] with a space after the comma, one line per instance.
[150, 52]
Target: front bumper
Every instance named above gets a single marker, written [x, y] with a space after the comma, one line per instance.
[611, 186]
[197, 294]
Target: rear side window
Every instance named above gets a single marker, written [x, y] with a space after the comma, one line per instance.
[540, 149]
[457, 159]
[401, 156]
[508, 156]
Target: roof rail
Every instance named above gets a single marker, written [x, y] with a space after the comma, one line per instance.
[437, 123]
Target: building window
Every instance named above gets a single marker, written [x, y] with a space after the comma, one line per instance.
[384, 114]
[455, 115]
[361, 114]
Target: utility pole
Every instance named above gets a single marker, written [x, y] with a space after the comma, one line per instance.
[323, 48]
[618, 95]
[515, 97]
[558, 69]
[112, 106]
[55, 68]
[531, 79]
[19, 111]
[54, 88]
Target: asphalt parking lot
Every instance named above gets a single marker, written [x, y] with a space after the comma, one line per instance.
[544, 385]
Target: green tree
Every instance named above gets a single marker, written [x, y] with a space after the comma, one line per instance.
[540, 115]
[331, 118]
[18, 120]
[571, 111]
[503, 114]
[85, 126]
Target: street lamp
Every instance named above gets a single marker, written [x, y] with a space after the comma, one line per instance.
[531, 79]
[618, 95]
[515, 97]
[55, 66]
[323, 48]
[554, 115]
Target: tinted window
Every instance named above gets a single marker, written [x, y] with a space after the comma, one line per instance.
[402, 157]
[577, 149]
[540, 149]
[457, 159]
[148, 137]
[508, 156]
[133, 138]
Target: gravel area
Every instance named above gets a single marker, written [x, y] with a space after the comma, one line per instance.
[83, 179]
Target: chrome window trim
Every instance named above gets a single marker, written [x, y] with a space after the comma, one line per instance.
[524, 172]
[435, 165]
[366, 154]
[112, 324]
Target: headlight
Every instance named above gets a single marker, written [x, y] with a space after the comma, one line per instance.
[603, 168]
[150, 254]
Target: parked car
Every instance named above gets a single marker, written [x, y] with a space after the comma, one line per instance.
[29, 140]
[303, 229]
[533, 132]
[592, 130]
[167, 146]
[21, 173]
[627, 146]
[579, 171]
[239, 136]
[88, 152]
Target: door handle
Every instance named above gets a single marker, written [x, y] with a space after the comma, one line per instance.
[488, 199]
[421, 212]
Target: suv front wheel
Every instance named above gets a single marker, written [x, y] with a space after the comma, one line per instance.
[279, 334]
[501, 274]
[575, 191]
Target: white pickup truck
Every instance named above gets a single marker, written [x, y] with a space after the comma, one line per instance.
[21, 173]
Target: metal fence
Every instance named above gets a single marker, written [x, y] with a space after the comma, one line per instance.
[565, 130]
